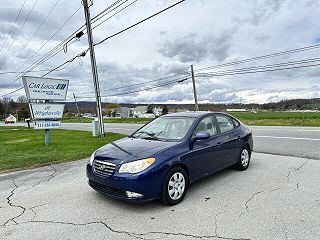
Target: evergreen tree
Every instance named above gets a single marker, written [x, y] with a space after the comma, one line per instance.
[165, 110]
[149, 109]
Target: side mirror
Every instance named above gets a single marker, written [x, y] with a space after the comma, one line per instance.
[201, 136]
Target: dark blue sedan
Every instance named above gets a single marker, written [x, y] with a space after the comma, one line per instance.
[161, 159]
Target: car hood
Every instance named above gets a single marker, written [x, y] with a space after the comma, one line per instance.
[129, 149]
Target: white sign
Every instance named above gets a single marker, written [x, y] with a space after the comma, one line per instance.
[46, 110]
[46, 124]
[45, 88]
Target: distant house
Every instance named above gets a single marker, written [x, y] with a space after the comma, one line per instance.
[10, 119]
[87, 115]
[139, 111]
[236, 110]
[124, 112]
[180, 110]
[157, 111]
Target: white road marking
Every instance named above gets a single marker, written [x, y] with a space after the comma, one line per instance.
[287, 129]
[293, 138]
[131, 129]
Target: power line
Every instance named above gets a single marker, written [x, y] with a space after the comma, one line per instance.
[250, 70]
[40, 25]
[186, 78]
[296, 50]
[58, 68]
[98, 16]
[181, 79]
[4, 43]
[34, 65]
[175, 81]
[66, 62]
[290, 63]
[122, 9]
[220, 73]
[26, 19]
[143, 20]
[146, 82]
[149, 88]
[12, 92]
[226, 64]
[144, 89]
[126, 29]
[53, 35]
[163, 10]
[256, 71]
[55, 50]
[43, 70]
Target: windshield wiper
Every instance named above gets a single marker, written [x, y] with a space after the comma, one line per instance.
[154, 138]
[151, 134]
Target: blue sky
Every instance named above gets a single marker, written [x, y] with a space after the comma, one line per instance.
[198, 32]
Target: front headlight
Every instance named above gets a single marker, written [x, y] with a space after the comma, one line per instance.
[91, 158]
[136, 166]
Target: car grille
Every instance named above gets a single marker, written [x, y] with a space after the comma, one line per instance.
[103, 169]
[107, 190]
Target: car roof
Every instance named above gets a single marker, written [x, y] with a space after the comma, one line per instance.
[188, 114]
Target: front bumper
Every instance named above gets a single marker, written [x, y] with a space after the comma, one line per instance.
[146, 183]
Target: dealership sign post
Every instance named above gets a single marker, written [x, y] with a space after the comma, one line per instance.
[41, 92]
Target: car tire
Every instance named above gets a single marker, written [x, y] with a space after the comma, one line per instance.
[244, 159]
[174, 186]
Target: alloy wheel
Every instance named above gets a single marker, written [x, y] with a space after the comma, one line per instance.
[245, 157]
[176, 186]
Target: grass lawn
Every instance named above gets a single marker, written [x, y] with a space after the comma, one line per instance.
[268, 118]
[108, 120]
[23, 148]
[261, 118]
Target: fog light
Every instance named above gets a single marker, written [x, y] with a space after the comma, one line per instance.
[133, 195]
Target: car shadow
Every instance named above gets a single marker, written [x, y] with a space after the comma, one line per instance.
[198, 190]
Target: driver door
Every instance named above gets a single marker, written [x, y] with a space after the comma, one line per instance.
[205, 154]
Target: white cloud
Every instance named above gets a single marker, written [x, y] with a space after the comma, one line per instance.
[202, 33]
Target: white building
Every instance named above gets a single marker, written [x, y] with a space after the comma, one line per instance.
[11, 119]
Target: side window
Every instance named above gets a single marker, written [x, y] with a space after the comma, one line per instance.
[207, 125]
[225, 123]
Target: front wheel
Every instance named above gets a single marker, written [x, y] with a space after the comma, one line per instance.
[174, 186]
[244, 159]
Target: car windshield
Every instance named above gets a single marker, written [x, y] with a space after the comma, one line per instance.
[165, 129]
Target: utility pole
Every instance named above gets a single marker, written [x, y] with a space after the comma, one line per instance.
[46, 132]
[75, 99]
[194, 90]
[94, 67]
[17, 115]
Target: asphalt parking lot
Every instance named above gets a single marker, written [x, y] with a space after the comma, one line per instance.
[278, 197]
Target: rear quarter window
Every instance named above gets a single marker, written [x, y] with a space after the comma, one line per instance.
[225, 123]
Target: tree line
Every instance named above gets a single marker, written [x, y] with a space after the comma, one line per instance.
[18, 108]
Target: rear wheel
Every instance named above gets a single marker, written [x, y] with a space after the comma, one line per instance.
[174, 187]
[244, 159]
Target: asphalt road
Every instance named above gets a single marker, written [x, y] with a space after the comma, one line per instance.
[276, 198]
[288, 141]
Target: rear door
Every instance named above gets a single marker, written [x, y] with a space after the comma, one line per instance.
[229, 139]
